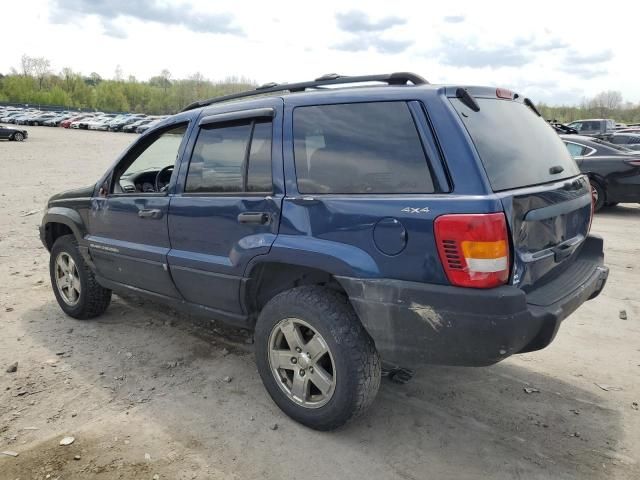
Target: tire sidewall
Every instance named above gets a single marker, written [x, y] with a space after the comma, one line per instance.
[601, 194]
[68, 245]
[344, 396]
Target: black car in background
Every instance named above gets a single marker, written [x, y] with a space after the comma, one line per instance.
[629, 140]
[613, 170]
[132, 127]
[117, 126]
[12, 133]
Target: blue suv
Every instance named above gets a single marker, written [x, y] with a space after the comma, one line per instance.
[399, 223]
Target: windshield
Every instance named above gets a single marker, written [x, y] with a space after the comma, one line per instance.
[517, 147]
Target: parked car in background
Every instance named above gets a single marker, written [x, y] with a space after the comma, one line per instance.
[99, 123]
[613, 170]
[596, 127]
[118, 124]
[9, 117]
[629, 130]
[67, 123]
[629, 140]
[55, 121]
[24, 118]
[132, 127]
[38, 120]
[80, 124]
[84, 123]
[11, 133]
[144, 127]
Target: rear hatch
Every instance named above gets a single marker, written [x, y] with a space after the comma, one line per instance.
[546, 200]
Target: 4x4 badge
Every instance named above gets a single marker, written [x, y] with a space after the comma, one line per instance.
[415, 210]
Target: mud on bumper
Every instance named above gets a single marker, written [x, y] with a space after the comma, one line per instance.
[413, 323]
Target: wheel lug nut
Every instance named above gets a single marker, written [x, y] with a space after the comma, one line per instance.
[298, 349]
[302, 373]
[294, 360]
[310, 369]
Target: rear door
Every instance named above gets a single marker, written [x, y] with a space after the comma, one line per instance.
[229, 208]
[546, 200]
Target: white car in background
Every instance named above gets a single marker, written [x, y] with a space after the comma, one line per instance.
[100, 123]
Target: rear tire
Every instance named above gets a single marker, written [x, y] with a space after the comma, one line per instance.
[599, 195]
[74, 284]
[349, 356]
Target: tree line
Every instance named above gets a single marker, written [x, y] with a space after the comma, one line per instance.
[35, 83]
[609, 104]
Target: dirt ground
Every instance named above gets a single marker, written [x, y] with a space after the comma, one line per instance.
[141, 389]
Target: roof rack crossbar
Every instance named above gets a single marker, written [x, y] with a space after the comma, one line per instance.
[398, 78]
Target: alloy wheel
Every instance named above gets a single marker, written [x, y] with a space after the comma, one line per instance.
[67, 279]
[302, 363]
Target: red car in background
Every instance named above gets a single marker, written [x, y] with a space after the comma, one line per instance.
[66, 123]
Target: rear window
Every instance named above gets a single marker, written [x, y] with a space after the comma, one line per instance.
[359, 148]
[517, 148]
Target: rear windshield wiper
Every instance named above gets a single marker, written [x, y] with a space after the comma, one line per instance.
[530, 104]
[466, 98]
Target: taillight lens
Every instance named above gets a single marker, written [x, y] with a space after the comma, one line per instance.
[474, 249]
[635, 163]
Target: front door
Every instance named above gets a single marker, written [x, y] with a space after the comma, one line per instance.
[129, 239]
[228, 210]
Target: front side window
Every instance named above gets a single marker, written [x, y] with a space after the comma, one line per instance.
[231, 158]
[149, 167]
[359, 148]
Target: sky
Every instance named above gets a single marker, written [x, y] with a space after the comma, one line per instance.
[553, 52]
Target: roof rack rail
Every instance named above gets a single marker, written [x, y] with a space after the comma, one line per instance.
[397, 78]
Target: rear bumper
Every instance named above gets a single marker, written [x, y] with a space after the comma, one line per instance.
[417, 323]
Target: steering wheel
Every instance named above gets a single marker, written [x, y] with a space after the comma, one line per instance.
[159, 176]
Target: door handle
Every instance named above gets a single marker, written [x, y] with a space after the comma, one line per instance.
[150, 213]
[260, 218]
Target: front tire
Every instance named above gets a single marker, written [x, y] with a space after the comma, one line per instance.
[18, 137]
[315, 358]
[74, 284]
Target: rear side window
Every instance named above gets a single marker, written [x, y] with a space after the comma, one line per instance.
[575, 150]
[231, 158]
[517, 147]
[359, 148]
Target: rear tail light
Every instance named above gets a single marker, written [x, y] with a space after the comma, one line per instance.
[633, 162]
[474, 249]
